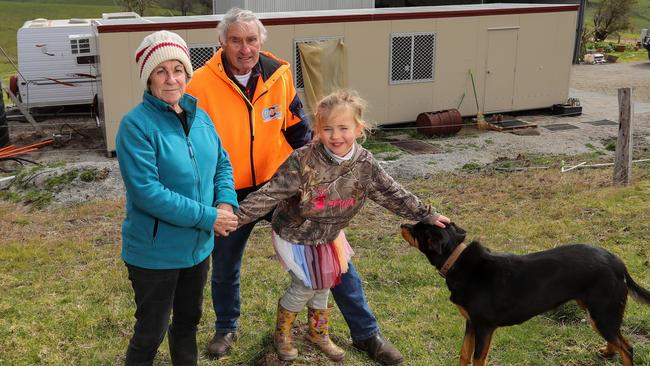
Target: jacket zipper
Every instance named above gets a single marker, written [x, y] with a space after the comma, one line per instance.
[252, 156]
[196, 173]
[198, 179]
[250, 123]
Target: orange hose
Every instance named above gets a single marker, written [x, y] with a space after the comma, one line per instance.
[12, 154]
[12, 150]
[6, 148]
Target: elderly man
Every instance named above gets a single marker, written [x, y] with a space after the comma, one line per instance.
[250, 96]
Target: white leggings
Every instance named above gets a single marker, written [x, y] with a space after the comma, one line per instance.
[298, 295]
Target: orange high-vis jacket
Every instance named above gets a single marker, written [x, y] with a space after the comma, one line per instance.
[253, 132]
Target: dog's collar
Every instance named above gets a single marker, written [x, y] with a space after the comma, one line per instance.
[452, 259]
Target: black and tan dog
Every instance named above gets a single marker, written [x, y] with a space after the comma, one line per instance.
[495, 290]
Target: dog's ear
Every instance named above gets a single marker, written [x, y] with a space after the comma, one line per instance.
[407, 234]
[459, 232]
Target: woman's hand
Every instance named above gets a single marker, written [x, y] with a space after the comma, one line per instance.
[225, 206]
[226, 220]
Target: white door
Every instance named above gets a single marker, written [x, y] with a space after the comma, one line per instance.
[500, 69]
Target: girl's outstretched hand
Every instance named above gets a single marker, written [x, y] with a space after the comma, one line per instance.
[439, 220]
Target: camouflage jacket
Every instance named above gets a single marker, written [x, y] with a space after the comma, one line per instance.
[315, 197]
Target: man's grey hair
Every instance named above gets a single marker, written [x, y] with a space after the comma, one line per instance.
[237, 15]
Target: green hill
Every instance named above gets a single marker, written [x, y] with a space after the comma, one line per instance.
[640, 17]
[13, 15]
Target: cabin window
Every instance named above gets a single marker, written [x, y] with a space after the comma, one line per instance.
[412, 57]
[201, 53]
[80, 45]
[297, 65]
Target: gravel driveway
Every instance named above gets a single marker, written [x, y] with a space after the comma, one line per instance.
[607, 78]
[594, 85]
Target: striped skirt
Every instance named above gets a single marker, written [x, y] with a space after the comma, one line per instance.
[317, 266]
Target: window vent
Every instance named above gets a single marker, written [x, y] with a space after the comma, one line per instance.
[412, 57]
[200, 54]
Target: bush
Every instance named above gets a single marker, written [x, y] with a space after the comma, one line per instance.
[606, 46]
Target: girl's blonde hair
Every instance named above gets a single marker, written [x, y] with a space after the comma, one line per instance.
[343, 98]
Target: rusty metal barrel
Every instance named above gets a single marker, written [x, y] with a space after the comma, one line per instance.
[446, 122]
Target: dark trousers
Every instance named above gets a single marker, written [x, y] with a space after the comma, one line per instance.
[159, 293]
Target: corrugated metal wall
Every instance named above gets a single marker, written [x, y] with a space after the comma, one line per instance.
[259, 6]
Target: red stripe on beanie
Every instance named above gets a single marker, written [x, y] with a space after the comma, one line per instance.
[137, 57]
[162, 44]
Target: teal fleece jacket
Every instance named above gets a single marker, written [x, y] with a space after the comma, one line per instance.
[173, 183]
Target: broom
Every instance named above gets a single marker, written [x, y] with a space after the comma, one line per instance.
[480, 120]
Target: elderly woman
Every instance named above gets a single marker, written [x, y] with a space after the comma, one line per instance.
[179, 192]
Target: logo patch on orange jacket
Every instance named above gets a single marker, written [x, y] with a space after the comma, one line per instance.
[272, 113]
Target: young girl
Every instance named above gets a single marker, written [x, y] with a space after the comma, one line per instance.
[316, 193]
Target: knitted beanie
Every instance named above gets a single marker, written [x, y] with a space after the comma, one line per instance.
[159, 47]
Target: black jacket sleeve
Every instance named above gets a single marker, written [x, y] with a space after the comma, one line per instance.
[300, 133]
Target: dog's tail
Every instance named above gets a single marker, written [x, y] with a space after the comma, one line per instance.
[639, 293]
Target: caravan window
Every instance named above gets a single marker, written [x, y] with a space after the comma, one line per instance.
[80, 45]
[297, 65]
[412, 57]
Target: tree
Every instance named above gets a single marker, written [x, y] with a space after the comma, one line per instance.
[585, 37]
[138, 6]
[611, 16]
[205, 6]
[182, 6]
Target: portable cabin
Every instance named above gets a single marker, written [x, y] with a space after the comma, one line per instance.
[258, 6]
[403, 61]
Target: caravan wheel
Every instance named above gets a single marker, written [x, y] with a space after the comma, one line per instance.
[4, 129]
[13, 86]
[94, 110]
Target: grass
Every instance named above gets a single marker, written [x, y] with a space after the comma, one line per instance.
[66, 298]
[631, 56]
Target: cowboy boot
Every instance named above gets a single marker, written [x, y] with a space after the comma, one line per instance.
[282, 339]
[319, 333]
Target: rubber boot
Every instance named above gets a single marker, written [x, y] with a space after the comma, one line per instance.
[282, 339]
[319, 333]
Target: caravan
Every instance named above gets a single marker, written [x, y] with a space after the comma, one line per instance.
[57, 62]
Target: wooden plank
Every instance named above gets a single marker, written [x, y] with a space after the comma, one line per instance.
[25, 111]
[503, 125]
[623, 160]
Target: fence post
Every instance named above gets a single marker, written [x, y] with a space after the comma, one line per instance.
[623, 161]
